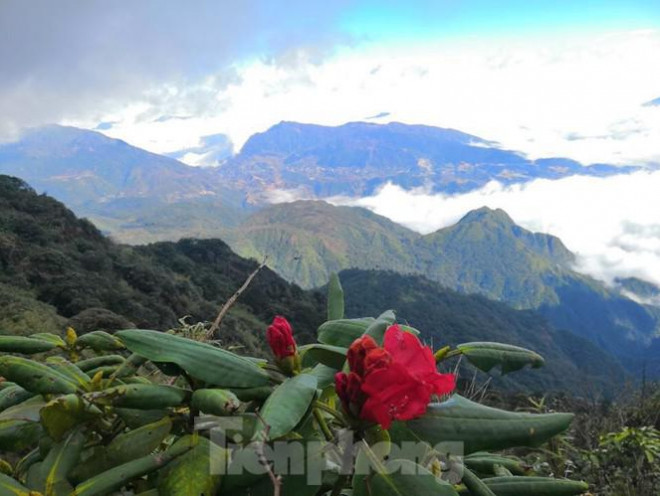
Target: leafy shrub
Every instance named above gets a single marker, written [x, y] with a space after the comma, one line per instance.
[157, 413]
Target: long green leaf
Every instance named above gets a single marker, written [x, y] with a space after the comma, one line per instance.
[13, 395]
[147, 396]
[117, 477]
[485, 356]
[99, 341]
[34, 376]
[485, 463]
[11, 487]
[70, 370]
[286, 407]
[201, 361]
[342, 332]
[330, 356]
[138, 442]
[61, 459]
[479, 427]
[402, 478]
[215, 401]
[335, 298]
[191, 473]
[475, 485]
[377, 328]
[17, 435]
[26, 346]
[538, 486]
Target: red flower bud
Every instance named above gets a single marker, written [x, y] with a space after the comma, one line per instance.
[377, 358]
[358, 352]
[280, 338]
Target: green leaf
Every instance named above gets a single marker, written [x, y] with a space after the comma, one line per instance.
[100, 361]
[13, 395]
[70, 370]
[26, 346]
[135, 417]
[215, 401]
[377, 328]
[137, 443]
[402, 478]
[62, 414]
[475, 485]
[342, 332]
[330, 356]
[34, 376]
[200, 360]
[147, 396]
[335, 298]
[479, 427]
[538, 486]
[11, 487]
[17, 435]
[286, 407]
[191, 473]
[485, 356]
[50, 337]
[99, 341]
[61, 459]
[485, 463]
[325, 375]
[117, 477]
[27, 410]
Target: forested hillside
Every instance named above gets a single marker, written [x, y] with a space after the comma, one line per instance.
[55, 267]
[56, 270]
[572, 363]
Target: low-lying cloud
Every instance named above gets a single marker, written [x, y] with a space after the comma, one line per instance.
[612, 224]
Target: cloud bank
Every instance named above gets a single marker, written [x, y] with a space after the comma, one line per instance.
[73, 60]
[611, 223]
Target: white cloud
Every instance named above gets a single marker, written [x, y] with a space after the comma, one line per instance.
[611, 223]
[579, 97]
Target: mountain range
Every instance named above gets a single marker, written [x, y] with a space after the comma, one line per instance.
[355, 159]
[136, 196]
[57, 270]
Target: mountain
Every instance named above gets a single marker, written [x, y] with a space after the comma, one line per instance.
[116, 184]
[573, 363]
[307, 240]
[56, 268]
[141, 197]
[355, 159]
[485, 253]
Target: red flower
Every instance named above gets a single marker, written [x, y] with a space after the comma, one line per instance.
[390, 383]
[280, 338]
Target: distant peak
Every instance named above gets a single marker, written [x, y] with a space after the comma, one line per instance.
[487, 214]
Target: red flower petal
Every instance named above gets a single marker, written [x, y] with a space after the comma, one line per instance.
[393, 394]
[358, 351]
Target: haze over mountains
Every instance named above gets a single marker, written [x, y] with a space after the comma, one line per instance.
[137, 197]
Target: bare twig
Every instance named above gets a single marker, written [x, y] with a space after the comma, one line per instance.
[259, 448]
[228, 304]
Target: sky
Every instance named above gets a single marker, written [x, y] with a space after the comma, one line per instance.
[195, 79]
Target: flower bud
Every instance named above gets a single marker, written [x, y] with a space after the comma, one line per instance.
[283, 345]
[358, 352]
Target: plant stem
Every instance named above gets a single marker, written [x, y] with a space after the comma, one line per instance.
[328, 409]
[329, 436]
